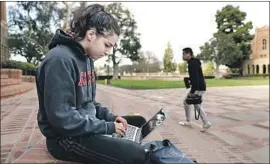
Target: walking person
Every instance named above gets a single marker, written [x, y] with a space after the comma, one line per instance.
[74, 124]
[198, 88]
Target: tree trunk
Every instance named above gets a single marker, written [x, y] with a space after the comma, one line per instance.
[217, 72]
[115, 65]
[68, 14]
[115, 71]
[241, 70]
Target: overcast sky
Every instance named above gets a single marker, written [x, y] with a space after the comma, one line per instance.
[184, 23]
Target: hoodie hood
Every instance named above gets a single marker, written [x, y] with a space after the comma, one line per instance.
[62, 38]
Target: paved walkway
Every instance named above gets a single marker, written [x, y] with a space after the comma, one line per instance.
[240, 117]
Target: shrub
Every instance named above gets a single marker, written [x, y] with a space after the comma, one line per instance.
[209, 70]
[27, 68]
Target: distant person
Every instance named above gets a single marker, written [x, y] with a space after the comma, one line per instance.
[198, 88]
[73, 123]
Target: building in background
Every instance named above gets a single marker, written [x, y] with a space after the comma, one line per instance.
[258, 62]
[4, 33]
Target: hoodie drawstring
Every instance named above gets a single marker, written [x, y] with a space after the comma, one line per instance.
[87, 78]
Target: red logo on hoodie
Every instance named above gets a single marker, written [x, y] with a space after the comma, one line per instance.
[83, 78]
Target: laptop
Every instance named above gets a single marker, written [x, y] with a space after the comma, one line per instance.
[136, 134]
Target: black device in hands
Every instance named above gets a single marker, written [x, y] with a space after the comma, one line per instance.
[187, 82]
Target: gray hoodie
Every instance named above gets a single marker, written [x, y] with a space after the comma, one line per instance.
[66, 90]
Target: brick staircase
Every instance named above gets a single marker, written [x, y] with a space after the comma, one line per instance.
[13, 83]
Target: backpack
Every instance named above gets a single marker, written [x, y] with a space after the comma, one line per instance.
[164, 152]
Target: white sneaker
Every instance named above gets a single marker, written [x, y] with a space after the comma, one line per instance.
[186, 124]
[206, 126]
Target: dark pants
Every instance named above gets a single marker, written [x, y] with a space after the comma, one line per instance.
[99, 149]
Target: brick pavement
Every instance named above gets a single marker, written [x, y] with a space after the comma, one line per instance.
[22, 141]
[225, 111]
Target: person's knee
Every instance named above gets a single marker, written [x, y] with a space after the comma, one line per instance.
[131, 152]
[56, 150]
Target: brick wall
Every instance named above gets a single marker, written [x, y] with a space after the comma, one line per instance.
[4, 34]
[12, 73]
[259, 59]
[30, 79]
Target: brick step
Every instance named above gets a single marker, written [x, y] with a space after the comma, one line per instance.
[12, 90]
[4, 76]
[12, 73]
[9, 81]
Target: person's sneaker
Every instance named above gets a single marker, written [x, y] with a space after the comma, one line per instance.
[206, 126]
[186, 124]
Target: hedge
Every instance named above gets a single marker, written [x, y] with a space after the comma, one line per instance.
[27, 68]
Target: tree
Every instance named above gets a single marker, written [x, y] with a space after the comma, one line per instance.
[221, 49]
[127, 68]
[168, 63]
[155, 65]
[183, 67]
[209, 70]
[30, 28]
[226, 50]
[141, 64]
[174, 66]
[231, 21]
[206, 52]
[209, 53]
[68, 13]
[152, 62]
[148, 62]
[129, 42]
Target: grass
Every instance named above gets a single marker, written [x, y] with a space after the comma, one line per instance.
[162, 84]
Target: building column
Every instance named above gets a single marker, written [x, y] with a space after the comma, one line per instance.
[4, 33]
[244, 69]
[261, 69]
[3, 12]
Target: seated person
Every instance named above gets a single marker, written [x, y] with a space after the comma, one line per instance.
[73, 123]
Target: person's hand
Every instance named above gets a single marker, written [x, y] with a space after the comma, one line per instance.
[119, 128]
[121, 120]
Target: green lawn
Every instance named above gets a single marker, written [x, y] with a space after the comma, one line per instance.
[161, 84]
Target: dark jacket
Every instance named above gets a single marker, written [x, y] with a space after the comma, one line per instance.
[196, 75]
[66, 90]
